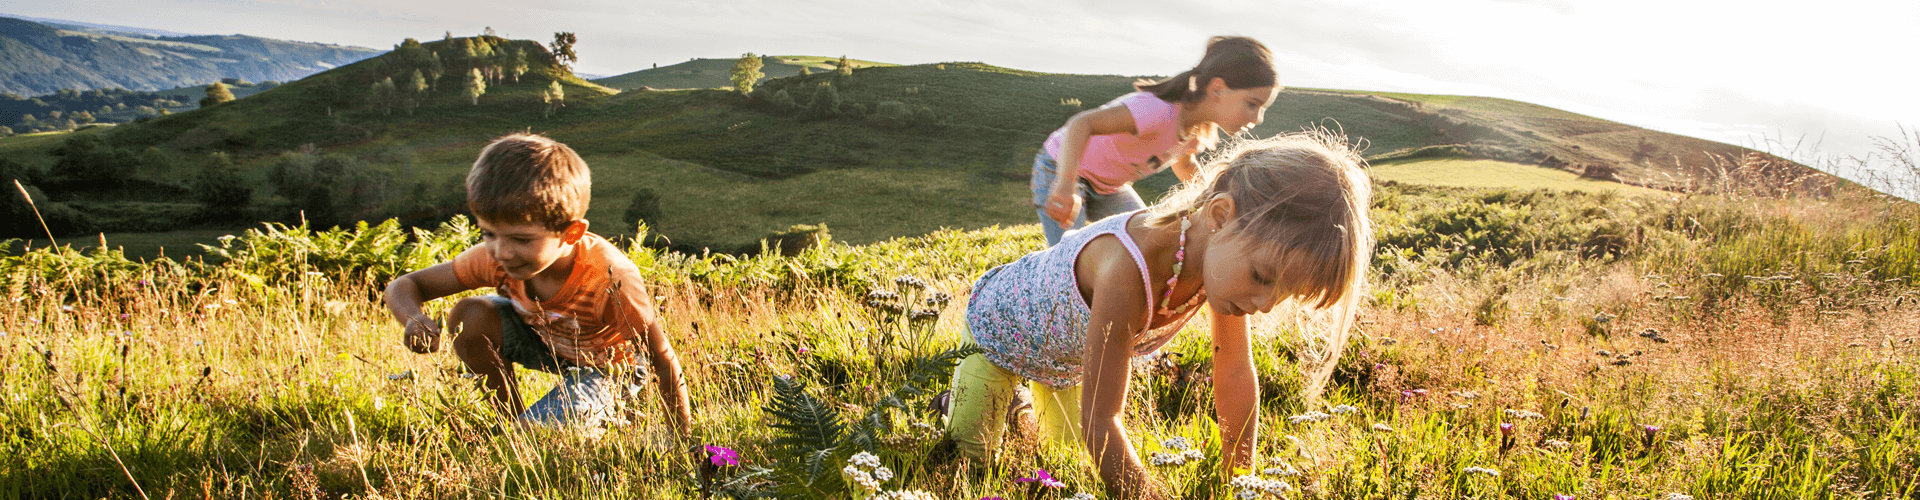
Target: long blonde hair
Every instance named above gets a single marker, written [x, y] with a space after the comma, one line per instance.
[1303, 197]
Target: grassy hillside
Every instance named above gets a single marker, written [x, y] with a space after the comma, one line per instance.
[37, 58]
[715, 73]
[726, 170]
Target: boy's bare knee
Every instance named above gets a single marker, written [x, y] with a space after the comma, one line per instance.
[476, 323]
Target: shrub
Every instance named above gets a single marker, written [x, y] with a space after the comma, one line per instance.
[221, 189]
[825, 104]
[645, 208]
[890, 114]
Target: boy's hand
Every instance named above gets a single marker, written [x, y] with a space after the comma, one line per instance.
[423, 334]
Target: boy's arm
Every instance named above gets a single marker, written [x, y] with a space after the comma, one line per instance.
[407, 293]
[1236, 390]
[1118, 310]
[666, 363]
[673, 386]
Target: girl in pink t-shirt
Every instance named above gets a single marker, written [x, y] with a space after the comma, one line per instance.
[1092, 161]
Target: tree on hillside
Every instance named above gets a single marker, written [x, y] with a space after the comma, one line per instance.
[554, 97]
[434, 69]
[221, 189]
[746, 72]
[416, 85]
[216, 94]
[516, 64]
[826, 102]
[476, 86]
[843, 69]
[383, 95]
[804, 71]
[563, 53]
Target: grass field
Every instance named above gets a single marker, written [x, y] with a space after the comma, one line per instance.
[1766, 349]
[1495, 174]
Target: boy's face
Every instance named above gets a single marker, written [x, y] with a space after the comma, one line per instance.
[526, 249]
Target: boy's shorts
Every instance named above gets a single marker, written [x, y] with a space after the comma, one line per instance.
[584, 395]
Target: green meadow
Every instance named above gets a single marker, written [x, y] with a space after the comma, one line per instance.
[1709, 322]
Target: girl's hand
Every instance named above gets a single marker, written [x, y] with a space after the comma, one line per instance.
[1063, 206]
[423, 334]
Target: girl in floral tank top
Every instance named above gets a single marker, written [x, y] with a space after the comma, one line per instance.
[1271, 221]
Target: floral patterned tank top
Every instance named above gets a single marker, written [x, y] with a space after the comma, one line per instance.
[1030, 318]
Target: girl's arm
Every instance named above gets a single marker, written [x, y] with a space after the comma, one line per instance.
[1063, 204]
[1184, 166]
[1117, 299]
[1236, 390]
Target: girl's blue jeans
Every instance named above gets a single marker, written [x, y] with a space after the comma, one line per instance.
[1093, 205]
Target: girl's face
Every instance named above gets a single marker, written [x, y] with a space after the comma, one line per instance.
[1239, 282]
[525, 249]
[1237, 110]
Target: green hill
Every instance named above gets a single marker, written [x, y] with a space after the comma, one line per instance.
[716, 73]
[908, 150]
[39, 58]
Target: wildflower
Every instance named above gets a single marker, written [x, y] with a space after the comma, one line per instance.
[1506, 429]
[1312, 416]
[1382, 427]
[1650, 430]
[882, 473]
[1481, 470]
[861, 478]
[1081, 496]
[1557, 444]
[722, 456]
[1177, 443]
[1522, 414]
[1678, 496]
[1043, 478]
[1249, 486]
[1562, 497]
[905, 495]
[865, 459]
[1344, 409]
[801, 351]
[1159, 459]
[198, 343]
[1282, 470]
[910, 282]
[1603, 317]
[406, 375]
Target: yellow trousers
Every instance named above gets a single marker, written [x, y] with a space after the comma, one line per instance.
[979, 419]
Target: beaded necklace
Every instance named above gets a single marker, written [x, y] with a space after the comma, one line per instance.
[1179, 262]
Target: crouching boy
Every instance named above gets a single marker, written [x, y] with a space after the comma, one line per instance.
[568, 302]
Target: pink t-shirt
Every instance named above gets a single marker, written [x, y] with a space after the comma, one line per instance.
[1111, 161]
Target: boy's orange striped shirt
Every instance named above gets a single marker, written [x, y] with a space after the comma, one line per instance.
[597, 317]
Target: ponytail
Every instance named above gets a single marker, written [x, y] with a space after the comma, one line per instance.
[1238, 61]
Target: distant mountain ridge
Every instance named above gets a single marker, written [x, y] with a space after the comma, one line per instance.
[39, 58]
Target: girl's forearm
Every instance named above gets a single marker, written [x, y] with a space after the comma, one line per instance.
[1237, 404]
[1120, 468]
[1075, 143]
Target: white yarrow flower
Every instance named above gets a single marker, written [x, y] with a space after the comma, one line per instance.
[1082, 496]
[1177, 443]
[882, 474]
[1344, 409]
[1481, 470]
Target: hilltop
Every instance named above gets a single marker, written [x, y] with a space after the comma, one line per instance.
[715, 73]
[711, 168]
[41, 58]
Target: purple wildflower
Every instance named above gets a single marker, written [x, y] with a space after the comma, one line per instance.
[1041, 476]
[1562, 497]
[721, 456]
[1506, 428]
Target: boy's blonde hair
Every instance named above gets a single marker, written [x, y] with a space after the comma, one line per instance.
[1303, 199]
[526, 178]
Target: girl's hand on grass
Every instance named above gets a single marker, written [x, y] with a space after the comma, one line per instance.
[423, 334]
[1062, 206]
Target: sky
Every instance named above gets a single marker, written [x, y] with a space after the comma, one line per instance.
[1809, 80]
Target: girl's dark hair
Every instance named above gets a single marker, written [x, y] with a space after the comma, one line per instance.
[1239, 61]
